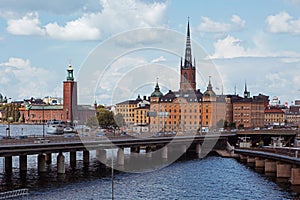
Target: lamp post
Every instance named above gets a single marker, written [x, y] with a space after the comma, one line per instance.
[43, 121]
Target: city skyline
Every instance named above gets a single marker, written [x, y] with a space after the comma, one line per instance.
[40, 40]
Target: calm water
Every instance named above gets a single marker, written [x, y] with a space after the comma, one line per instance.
[209, 178]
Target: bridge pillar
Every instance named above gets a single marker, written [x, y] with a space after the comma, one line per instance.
[120, 157]
[102, 155]
[135, 149]
[148, 152]
[270, 166]
[8, 164]
[164, 153]
[259, 163]
[86, 157]
[243, 158]
[23, 163]
[73, 159]
[250, 161]
[295, 176]
[283, 170]
[48, 158]
[198, 150]
[41, 163]
[61, 163]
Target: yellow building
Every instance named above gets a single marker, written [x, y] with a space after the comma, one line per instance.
[127, 110]
[274, 116]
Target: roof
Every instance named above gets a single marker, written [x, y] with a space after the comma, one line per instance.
[86, 107]
[128, 102]
[277, 111]
[190, 96]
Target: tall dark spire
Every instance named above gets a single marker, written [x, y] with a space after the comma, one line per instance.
[246, 93]
[188, 52]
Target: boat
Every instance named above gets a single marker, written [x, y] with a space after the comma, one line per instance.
[55, 127]
[69, 128]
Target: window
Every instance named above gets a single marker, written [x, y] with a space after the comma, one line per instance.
[185, 77]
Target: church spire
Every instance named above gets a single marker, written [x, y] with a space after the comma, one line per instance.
[246, 93]
[188, 52]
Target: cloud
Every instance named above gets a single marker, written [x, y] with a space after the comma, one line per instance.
[54, 6]
[283, 23]
[122, 16]
[81, 29]
[208, 25]
[20, 79]
[232, 47]
[159, 59]
[27, 25]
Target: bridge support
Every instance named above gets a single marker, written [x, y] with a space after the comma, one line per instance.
[243, 158]
[23, 163]
[41, 163]
[259, 163]
[101, 155]
[270, 166]
[164, 153]
[48, 158]
[148, 152]
[120, 157]
[295, 176]
[61, 163]
[250, 161]
[135, 149]
[283, 170]
[8, 164]
[86, 157]
[73, 159]
[198, 150]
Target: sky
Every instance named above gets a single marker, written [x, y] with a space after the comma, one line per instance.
[120, 49]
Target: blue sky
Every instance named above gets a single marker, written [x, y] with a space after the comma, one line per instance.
[252, 41]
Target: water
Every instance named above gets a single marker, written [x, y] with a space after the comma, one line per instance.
[209, 178]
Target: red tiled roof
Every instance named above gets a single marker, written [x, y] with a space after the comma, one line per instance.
[274, 111]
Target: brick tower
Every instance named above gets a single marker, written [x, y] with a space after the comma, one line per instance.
[187, 69]
[70, 96]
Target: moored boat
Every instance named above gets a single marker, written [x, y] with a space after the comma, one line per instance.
[55, 127]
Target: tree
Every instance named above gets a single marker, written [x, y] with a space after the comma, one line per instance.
[105, 118]
[92, 122]
[220, 123]
[120, 122]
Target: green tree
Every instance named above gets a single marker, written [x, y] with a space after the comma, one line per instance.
[119, 119]
[105, 118]
[92, 122]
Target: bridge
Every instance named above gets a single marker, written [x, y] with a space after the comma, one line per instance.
[153, 146]
[279, 160]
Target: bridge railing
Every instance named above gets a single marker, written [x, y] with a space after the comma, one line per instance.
[285, 151]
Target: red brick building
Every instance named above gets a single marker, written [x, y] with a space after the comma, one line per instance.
[68, 111]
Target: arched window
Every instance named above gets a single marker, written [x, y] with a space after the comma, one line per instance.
[185, 77]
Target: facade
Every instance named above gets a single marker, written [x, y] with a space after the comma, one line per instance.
[292, 116]
[127, 110]
[248, 112]
[38, 112]
[186, 110]
[274, 116]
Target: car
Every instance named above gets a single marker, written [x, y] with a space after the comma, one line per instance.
[41, 140]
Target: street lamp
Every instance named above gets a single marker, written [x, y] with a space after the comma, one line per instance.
[43, 122]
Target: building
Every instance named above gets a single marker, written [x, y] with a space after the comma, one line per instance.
[292, 116]
[249, 112]
[186, 110]
[127, 110]
[274, 116]
[41, 112]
